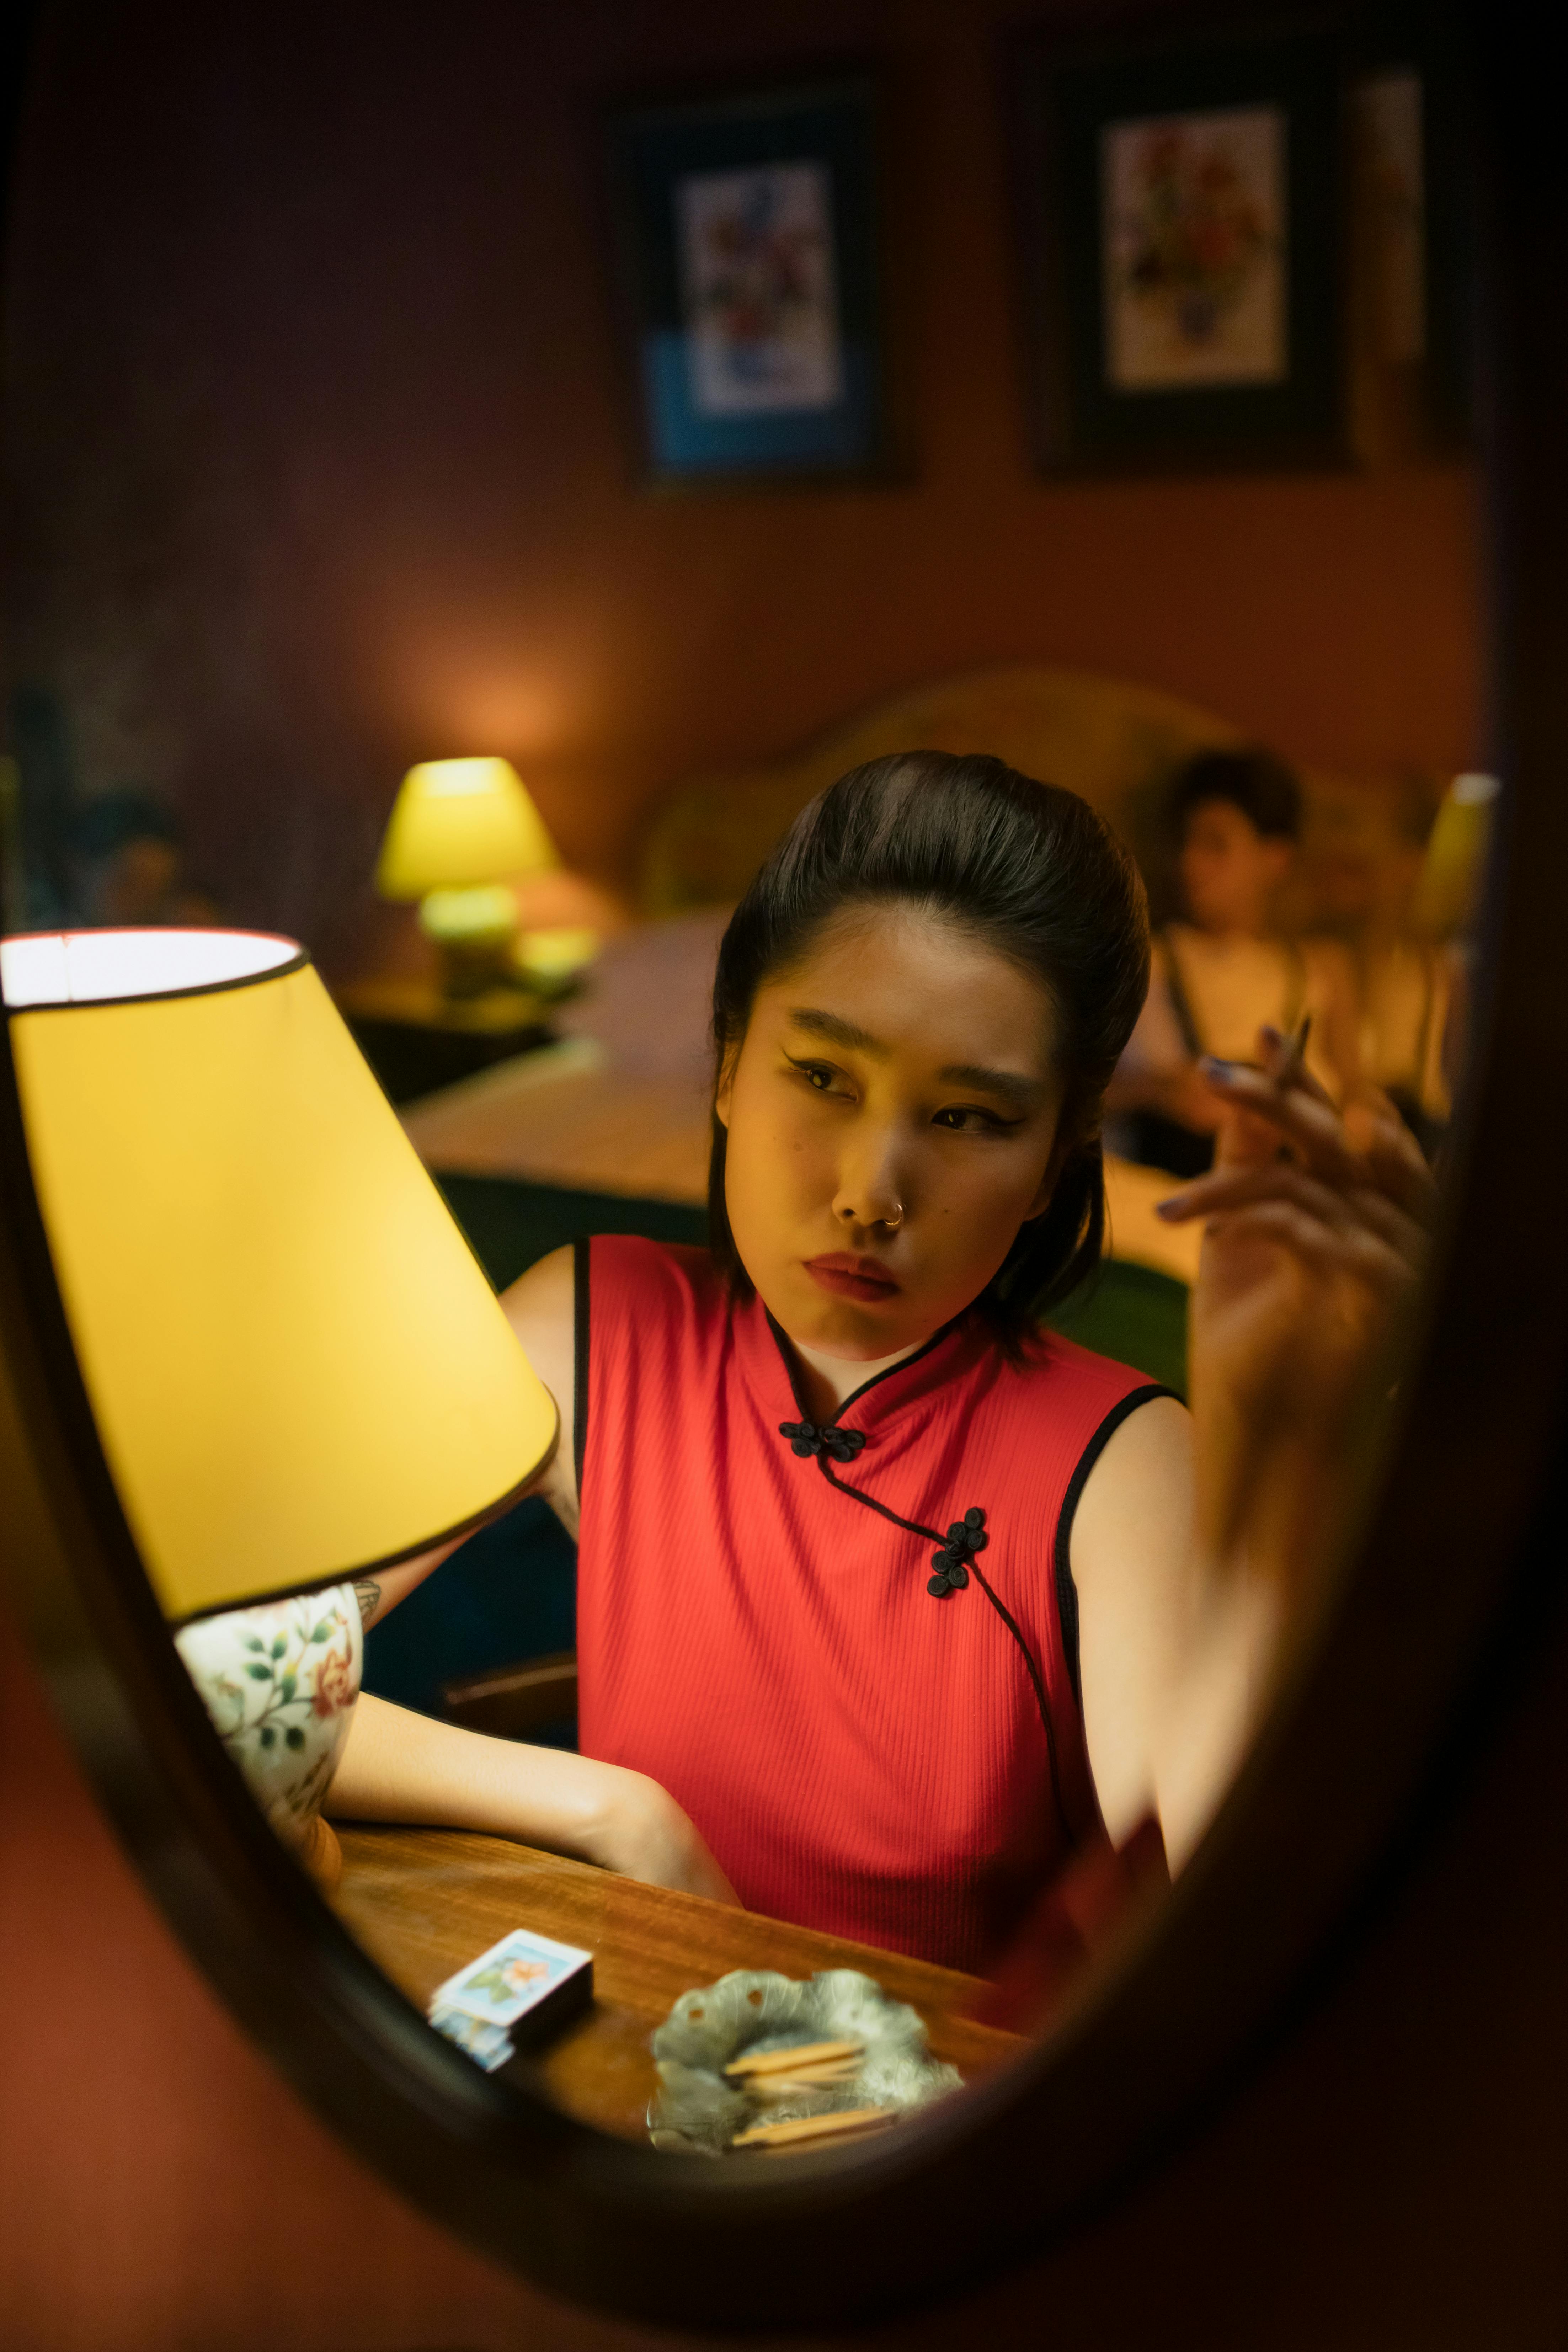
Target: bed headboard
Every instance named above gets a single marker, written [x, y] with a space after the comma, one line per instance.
[1115, 743]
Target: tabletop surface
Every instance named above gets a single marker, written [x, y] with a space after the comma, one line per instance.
[424, 1901]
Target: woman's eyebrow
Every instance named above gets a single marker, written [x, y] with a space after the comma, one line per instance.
[1011, 1083]
[1012, 1086]
[837, 1032]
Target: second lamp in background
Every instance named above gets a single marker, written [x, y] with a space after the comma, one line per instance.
[461, 831]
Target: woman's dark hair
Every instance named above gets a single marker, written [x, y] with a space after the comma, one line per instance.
[1027, 867]
[1261, 786]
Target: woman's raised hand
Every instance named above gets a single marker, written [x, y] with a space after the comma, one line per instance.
[1316, 1229]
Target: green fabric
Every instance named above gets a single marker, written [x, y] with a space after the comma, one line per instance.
[1134, 1314]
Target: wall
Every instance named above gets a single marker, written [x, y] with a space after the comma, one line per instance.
[317, 460]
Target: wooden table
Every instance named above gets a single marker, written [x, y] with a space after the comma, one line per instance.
[423, 1902]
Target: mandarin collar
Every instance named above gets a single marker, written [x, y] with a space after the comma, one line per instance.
[761, 1346]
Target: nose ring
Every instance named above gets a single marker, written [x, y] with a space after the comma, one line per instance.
[893, 1223]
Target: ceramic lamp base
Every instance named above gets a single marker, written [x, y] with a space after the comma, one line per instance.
[279, 1681]
[474, 930]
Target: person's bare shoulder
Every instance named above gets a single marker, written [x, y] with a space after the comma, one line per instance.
[1132, 1551]
[1123, 1521]
[541, 1307]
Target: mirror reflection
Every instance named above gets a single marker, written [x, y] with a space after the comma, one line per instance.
[740, 1381]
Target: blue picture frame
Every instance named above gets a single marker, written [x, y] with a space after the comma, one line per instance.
[749, 228]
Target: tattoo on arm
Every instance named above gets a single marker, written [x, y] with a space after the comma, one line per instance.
[367, 1593]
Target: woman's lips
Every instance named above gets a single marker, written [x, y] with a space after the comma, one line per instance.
[852, 1277]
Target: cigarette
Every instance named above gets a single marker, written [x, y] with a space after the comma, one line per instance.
[790, 2062]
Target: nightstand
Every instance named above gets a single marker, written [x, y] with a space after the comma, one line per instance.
[416, 1039]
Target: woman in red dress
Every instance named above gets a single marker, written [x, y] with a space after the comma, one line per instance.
[889, 1600]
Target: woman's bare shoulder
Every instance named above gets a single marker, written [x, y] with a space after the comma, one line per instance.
[1132, 1563]
[541, 1307]
[1134, 1516]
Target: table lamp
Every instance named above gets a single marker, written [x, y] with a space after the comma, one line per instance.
[459, 830]
[1449, 884]
[298, 1371]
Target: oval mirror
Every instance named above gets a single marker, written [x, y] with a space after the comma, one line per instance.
[766, 996]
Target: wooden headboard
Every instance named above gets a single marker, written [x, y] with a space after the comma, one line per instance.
[1115, 743]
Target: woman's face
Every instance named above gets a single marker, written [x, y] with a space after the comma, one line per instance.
[903, 1065]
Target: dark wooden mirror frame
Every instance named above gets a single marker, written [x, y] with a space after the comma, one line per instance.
[1361, 1755]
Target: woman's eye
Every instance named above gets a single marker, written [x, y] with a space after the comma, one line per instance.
[819, 1075]
[968, 1118]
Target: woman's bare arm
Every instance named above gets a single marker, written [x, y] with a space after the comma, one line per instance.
[541, 1307]
[1202, 1550]
[396, 1766]
[1132, 1564]
[1177, 1661]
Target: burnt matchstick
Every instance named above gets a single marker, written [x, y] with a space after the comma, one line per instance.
[797, 2129]
[791, 2060]
[808, 2078]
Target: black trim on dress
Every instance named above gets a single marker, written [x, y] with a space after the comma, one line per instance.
[579, 1358]
[1066, 1591]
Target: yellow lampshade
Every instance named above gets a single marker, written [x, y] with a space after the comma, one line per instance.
[297, 1369]
[1446, 890]
[460, 820]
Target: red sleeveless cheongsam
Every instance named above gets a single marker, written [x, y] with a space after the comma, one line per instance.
[867, 1744]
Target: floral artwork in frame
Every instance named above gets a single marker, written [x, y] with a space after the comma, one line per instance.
[1181, 210]
[749, 238]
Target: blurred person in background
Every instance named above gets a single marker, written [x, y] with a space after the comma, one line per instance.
[130, 858]
[1227, 971]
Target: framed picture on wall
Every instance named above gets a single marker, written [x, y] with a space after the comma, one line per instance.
[1411, 247]
[750, 237]
[1182, 235]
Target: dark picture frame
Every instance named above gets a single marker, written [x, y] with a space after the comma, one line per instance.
[1413, 238]
[1181, 211]
[750, 234]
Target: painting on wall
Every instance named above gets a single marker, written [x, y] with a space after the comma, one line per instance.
[1411, 253]
[1181, 223]
[750, 240]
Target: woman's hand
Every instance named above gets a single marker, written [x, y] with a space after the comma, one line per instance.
[1315, 1237]
[642, 1832]
[1315, 1230]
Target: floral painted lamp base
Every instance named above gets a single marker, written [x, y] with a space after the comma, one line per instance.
[279, 1681]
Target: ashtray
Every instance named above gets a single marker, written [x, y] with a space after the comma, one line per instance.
[866, 2063]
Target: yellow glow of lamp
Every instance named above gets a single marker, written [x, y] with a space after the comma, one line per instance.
[459, 829]
[1448, 887]
[297, 1369]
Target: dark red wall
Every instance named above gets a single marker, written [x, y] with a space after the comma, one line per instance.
[319, 460]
